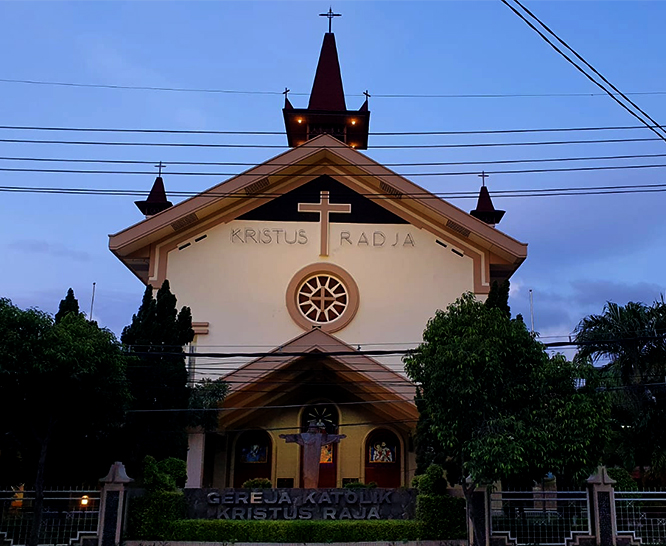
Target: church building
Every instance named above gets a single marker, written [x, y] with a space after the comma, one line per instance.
[314, 269]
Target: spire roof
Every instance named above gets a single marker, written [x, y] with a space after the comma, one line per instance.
[327, 91]
[485, 211]
[157, 200]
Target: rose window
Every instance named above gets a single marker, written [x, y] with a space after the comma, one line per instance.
[322, 298]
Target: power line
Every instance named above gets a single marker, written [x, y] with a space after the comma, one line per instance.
[282, 406]
[534, 192]
[408, 164]
[359, 175]
[263, 133]
[612, 94]
[276, 93]
[341, 146]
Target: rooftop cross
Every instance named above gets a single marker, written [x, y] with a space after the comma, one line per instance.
[330, 16]
[483, 177]
[160, 165]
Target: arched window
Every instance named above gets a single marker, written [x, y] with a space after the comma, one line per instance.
[328, 415]
[253, 456]
[382, 458]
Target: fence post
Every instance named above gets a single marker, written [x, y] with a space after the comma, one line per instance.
[481, 517]
[602, 507]
[112, 505]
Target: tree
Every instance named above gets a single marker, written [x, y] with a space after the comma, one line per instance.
[499, 406]
[630, 344]
[158, 378]
[65, 379]
[69, 305]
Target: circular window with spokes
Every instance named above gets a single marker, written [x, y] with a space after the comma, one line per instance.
[322, 295]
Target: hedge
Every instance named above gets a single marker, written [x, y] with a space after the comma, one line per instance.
[293, 531]
[150, 515]
[443, 517]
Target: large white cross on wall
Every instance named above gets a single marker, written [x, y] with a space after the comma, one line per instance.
[324, 207]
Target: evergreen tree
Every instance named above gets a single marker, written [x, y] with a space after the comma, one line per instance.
[158, 378]
[69, 305]
[498, 297]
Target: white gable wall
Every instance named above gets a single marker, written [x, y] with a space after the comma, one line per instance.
[236, 280]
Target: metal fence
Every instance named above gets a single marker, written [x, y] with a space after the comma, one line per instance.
[641, 514]
[539, 517]
[69, 516]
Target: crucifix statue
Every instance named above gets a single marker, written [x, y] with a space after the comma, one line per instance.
[312, 441]
[324, 208]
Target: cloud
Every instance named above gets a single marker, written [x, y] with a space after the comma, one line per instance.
[58, 250]
[559, 309]
[587, 292]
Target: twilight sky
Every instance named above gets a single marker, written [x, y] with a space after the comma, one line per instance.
[583, 250]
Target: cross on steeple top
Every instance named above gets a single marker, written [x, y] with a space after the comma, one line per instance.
[483, 177]
[159, 166]
[330, 16]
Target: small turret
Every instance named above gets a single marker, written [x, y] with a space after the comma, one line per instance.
[157, 199]
[485, 211]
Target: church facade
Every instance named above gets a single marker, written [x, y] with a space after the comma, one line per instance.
[307, 276]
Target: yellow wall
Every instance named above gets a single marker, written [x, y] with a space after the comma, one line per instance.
[286, 457]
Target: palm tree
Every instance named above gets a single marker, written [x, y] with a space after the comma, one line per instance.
[630, 339]
[629, 342]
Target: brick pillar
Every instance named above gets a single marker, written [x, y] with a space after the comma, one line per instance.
[112, 505]
[602, 507]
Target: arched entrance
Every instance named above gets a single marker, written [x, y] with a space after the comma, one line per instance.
[328, 462]
[382, 458]
[253, 456]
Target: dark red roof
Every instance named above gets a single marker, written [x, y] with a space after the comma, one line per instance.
[327, 92]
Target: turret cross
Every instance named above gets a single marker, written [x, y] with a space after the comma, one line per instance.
[330, 16]
[483, 177]
[324, 207]
[160, 166]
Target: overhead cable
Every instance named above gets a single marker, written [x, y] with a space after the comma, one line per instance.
[265, 133]
[341, 146]
[304, 94]
[613, 92]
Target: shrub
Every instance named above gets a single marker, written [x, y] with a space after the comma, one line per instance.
[258, 483]
[164, 475]
[360, 485]
[149, 516]
[442, 516]
[295, 531]
[623, 479]
[433, 481]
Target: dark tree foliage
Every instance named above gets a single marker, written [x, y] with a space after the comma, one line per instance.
[629, 342]
[498, 297]
[69, 305]
[499, 406]
[62, 390]
[158, 378]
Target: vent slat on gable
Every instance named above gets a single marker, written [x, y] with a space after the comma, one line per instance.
[390, 190]
[458, 228]
[184, 221]
[257, 186]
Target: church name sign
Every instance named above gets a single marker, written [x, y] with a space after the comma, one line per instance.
[304, 504]
[280, 236]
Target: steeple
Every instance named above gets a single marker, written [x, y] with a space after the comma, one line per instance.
[485, 211]
[327, 92]
[157, 199]
[327, 111]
